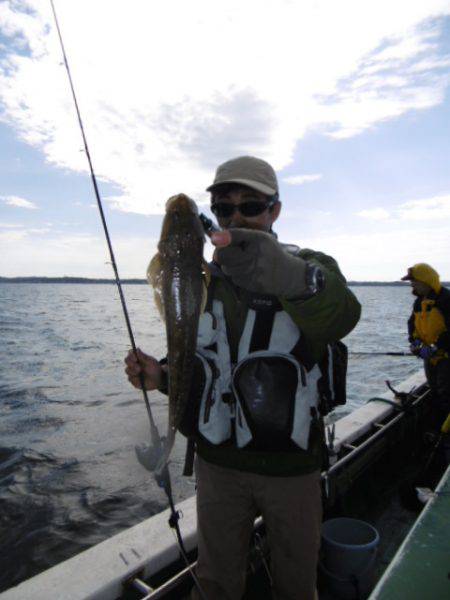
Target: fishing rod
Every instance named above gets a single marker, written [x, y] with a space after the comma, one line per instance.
[163, 478]
[381, 354]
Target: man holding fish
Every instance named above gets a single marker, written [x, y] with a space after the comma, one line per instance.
[255, 397]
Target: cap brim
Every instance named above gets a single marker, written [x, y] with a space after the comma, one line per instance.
[254, 185]
[407, 278]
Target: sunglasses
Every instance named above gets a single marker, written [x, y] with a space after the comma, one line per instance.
[252, 208]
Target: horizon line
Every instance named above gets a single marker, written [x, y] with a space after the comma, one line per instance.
[139, 280]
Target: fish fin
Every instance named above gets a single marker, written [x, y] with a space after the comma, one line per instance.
[206, 272]
[154, 277]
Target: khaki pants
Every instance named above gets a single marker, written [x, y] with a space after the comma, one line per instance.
[228, 502]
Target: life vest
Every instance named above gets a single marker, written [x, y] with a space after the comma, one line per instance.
[267, 400]
[429, 322]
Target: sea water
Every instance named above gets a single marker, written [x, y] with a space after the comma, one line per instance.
[69, 419]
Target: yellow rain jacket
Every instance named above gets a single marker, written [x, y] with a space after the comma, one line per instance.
[430, 319]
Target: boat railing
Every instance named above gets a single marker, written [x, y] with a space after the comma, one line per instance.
[378, 430]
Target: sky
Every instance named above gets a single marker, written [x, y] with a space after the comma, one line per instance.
[349, 101]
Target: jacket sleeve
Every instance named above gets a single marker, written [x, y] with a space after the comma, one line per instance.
[443, 341]
[329, 315]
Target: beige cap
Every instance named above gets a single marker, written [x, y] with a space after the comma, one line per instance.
[247, 170]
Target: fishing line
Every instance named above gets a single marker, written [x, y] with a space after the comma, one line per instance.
[163, 479]
[154, 431]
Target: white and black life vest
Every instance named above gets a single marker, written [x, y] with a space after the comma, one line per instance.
[267, 399]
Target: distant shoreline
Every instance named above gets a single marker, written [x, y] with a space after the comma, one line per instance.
[67, 280]
[83, 280]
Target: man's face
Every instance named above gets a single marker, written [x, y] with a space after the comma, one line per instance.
[420, 289]
[238, 195]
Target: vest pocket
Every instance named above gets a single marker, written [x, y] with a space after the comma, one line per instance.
[273, 403]
[206, 414]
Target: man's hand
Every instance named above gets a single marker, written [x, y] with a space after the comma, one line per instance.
[145, 364]
[426, 352]
[256, 261]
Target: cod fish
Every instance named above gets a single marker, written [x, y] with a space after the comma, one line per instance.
[179, 277]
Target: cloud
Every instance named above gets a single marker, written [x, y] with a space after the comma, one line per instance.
[18, 202]
[176, 96]
[72, 254]
[375, 255]
[16, 233]
[4, 225]
[437, 207]
[9, 237]
[404, 73]
[301, 179]
[411, 232]
[377, 214]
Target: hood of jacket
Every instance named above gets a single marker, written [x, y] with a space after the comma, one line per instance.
[426, 274]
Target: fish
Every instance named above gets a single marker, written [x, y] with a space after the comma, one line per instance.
[179, 276]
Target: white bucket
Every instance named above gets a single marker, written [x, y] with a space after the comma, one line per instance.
[348, 554]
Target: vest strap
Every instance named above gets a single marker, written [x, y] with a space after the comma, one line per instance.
[302, 353]
[262, 330]
[188, 469]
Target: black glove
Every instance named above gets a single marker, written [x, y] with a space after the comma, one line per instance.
[256, 261]
[415, 347]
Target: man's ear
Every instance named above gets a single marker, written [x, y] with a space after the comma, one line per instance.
[275, 213]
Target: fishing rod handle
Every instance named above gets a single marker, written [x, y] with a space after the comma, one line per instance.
[208, 225]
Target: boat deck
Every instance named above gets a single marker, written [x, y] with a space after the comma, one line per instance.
[421, 566]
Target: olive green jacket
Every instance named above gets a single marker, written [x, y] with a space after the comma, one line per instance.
[326, 317]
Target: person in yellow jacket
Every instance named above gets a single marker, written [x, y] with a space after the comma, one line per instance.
[429, 338]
